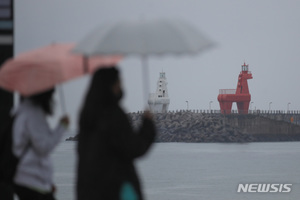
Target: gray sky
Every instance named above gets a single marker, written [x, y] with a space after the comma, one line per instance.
[265, 34]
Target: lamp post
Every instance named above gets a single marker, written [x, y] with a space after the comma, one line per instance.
[187, 105]
[270, 106]
[210, 106]
[288, 107]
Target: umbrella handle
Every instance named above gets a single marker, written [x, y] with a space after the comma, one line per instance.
[62, 99]
[146, 80]
[85, 60]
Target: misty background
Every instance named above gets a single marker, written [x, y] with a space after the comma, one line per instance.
[264, 34]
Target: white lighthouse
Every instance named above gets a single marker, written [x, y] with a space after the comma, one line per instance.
[159, 101]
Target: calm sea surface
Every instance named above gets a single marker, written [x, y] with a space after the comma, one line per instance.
[185, 171]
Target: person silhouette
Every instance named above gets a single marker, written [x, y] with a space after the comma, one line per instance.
[107, 143]
[33, 142]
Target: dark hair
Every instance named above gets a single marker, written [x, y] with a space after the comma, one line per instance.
[44, 100]
[99, 96]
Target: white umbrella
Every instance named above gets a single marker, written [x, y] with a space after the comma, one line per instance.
[144, 38]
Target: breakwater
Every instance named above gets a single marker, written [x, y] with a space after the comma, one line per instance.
[188, 126]
[193, 127]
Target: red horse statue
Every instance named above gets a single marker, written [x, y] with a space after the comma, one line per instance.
[241, 95]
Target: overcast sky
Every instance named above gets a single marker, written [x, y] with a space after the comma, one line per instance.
[263, 33]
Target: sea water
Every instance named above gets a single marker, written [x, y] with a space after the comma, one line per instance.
[193, 171]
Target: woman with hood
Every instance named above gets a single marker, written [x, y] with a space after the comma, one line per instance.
[107, 143]
[33, 142]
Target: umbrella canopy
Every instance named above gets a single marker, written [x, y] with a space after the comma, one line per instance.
[145, 37]
[40, 69]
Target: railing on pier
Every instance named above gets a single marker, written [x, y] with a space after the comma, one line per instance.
[256, 112]
[291, 116]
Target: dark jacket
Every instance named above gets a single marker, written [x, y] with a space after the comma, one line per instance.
[106, 155]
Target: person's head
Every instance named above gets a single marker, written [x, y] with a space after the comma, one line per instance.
[105, 86]
[105, 91]
[43, 100]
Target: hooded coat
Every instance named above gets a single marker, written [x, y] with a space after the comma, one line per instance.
[31, 131]
[106, 152]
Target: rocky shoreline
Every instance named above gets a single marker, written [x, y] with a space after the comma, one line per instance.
[187, 126]
[193, 127]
